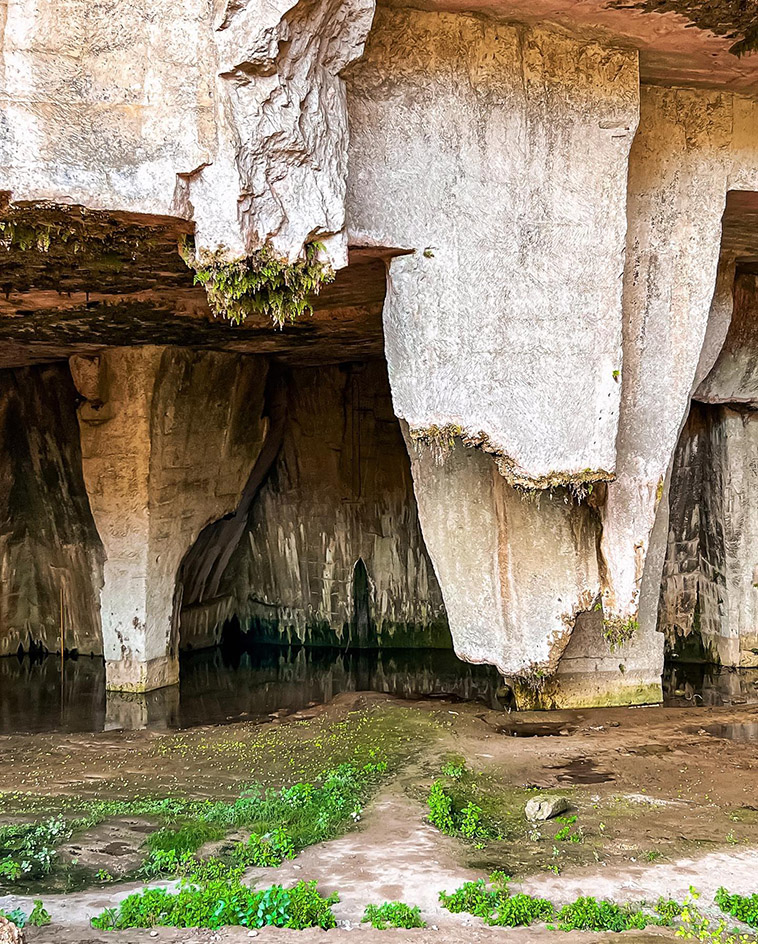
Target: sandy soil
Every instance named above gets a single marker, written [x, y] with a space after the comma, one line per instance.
[664, 799]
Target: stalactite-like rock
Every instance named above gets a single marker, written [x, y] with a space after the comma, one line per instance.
[692, 147]
[503, 324]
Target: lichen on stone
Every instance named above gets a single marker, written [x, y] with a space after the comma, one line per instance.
[618, 630]
[734, 19]
[263, 283]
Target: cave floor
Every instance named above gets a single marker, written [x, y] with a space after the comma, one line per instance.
[664, 799]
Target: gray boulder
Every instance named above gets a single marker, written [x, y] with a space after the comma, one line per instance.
[545, 807]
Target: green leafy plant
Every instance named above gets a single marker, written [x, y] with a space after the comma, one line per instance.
[262, 851]
[27, 850]
[694, 925]
[39, 916]
[261, 284]
[220, 903]
[496, 904]
[467, 822]
[393, 914]
[742, 907]
[566, 833]
[588, 914]
[17, 917]
[667, 909]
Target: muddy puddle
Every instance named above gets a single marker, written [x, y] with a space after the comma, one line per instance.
[217, 687]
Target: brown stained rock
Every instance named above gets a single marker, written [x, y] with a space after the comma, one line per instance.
[10, 933]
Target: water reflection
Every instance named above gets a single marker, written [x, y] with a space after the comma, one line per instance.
[695, 684]
[218, 686]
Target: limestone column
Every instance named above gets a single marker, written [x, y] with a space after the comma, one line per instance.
[502, 320]
[168, 439]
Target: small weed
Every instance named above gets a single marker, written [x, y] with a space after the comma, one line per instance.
[393, 914]
[17, 917]
[467, 821]
[588, 914]
[694, 925]
[667, 909]
[565, 833]
[40, 916]
[652, 855]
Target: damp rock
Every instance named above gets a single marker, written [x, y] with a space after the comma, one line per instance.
[545, 807]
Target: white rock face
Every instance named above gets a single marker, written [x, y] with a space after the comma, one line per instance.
[691, 148]
[498, 155]
[234, 119]
[168, 439]
[514, 571]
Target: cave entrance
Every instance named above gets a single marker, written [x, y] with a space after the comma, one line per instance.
[361, 628]
[329, 588]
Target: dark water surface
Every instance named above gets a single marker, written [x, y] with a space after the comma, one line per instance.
[217, 687]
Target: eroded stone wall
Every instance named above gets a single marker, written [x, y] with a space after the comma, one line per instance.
[230, 114]
[50, 551]
[503, 323]
[711, 570]
[339, 492]
[691, 149]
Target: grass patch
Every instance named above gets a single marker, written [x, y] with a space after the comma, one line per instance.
[221, 903]
[393, 914]
[282, 822]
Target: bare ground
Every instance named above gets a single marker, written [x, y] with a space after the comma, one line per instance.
[663, 801]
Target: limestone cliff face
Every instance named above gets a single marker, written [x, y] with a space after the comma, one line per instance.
[231, 115]
[503, 325]
[49, 548]
[691, 149]
[336, 507]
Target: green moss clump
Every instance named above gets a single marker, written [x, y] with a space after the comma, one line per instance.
[618, 631]
[260, 284]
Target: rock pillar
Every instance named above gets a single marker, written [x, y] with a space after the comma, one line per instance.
[168, 439]
[503, 319]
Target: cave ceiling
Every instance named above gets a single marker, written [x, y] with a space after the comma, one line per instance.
[695, 43]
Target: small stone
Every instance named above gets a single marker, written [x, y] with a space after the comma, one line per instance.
[153, 934]
[545, 807]
[252, 933]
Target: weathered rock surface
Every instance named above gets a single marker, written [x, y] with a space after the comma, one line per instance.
[691, 148]
[544, 807]
[168, 440]
[339, 497]
[233, 116]
[49, 549]
[504, 324]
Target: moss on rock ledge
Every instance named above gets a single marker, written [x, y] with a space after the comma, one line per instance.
[262, 283]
